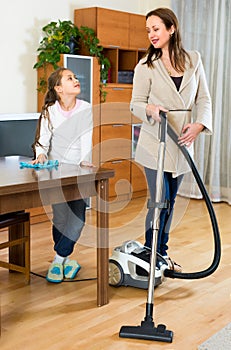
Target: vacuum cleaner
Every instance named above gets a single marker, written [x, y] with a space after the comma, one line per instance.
[127, 264]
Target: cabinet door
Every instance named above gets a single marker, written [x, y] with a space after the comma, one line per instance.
[115, 142]
[115, 113]
[111, 26]
[120, 183]
[138, 37]
[116, 109]
[138, 179]
[118, 93]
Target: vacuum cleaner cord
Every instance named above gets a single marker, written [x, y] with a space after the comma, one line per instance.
[217, 243]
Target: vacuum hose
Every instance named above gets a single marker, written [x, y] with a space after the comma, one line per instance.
[217, 243]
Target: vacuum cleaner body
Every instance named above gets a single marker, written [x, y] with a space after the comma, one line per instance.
[129, 265]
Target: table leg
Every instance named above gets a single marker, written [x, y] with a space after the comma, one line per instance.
[102, 242]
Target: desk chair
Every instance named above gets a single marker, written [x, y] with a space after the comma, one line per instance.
[21, 135]
[18, 225]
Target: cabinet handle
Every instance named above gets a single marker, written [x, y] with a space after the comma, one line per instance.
[114, 46]
[117, 125]
[117, 89]
[142, 49]
[116, 161]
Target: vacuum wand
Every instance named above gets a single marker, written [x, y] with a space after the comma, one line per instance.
[147, 329]
[157, 207]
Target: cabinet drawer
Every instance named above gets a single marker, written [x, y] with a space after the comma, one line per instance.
[115, 142]
[118, 93]
[138, 178]
[120, 183]
[115, 112]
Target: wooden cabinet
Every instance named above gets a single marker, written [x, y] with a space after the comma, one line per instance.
[114, 28]
[122, 61]
[111, 27]
[115, 140]
[122, 35]
[124, 40]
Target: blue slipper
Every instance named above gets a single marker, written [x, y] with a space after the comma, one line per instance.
[55, 273]
[71, 268]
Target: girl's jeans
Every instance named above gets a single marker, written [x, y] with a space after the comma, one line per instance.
[68, 222]
[170, 188]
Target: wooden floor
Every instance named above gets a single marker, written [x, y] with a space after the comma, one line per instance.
[65, 316]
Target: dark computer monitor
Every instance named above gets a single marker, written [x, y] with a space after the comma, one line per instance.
[16, 137]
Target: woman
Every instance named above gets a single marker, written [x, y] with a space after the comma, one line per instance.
[172, 80]
[64, 133]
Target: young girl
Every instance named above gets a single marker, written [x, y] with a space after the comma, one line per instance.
[64, 132]
[172, 80]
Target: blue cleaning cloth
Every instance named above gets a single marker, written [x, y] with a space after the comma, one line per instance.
[47, 165]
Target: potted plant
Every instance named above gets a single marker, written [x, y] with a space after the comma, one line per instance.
[64, 37]
[57, 36]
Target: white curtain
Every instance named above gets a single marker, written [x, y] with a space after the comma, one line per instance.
[206, 27]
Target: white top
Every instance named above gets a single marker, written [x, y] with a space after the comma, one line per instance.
[68, 138]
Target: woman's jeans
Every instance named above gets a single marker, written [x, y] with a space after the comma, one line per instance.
[68, 222]
[169, 192]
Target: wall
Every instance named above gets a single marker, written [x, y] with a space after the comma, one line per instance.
[20, 27]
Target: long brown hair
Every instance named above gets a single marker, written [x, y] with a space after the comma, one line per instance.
[177, 53]
[50, 98]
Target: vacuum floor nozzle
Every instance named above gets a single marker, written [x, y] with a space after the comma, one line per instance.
[147, 331]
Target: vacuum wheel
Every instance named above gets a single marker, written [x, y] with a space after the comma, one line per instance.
[116, 274]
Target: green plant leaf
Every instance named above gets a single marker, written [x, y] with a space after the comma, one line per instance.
[57, 36]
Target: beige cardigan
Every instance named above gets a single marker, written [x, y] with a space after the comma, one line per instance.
[155, 86]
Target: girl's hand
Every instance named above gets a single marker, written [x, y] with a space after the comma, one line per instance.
[153, 111]
[190, 133]
[87, 164]
[40, 159]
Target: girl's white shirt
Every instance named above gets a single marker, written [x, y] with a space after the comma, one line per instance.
[68, 136]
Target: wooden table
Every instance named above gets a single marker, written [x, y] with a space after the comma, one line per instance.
[27, 188]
